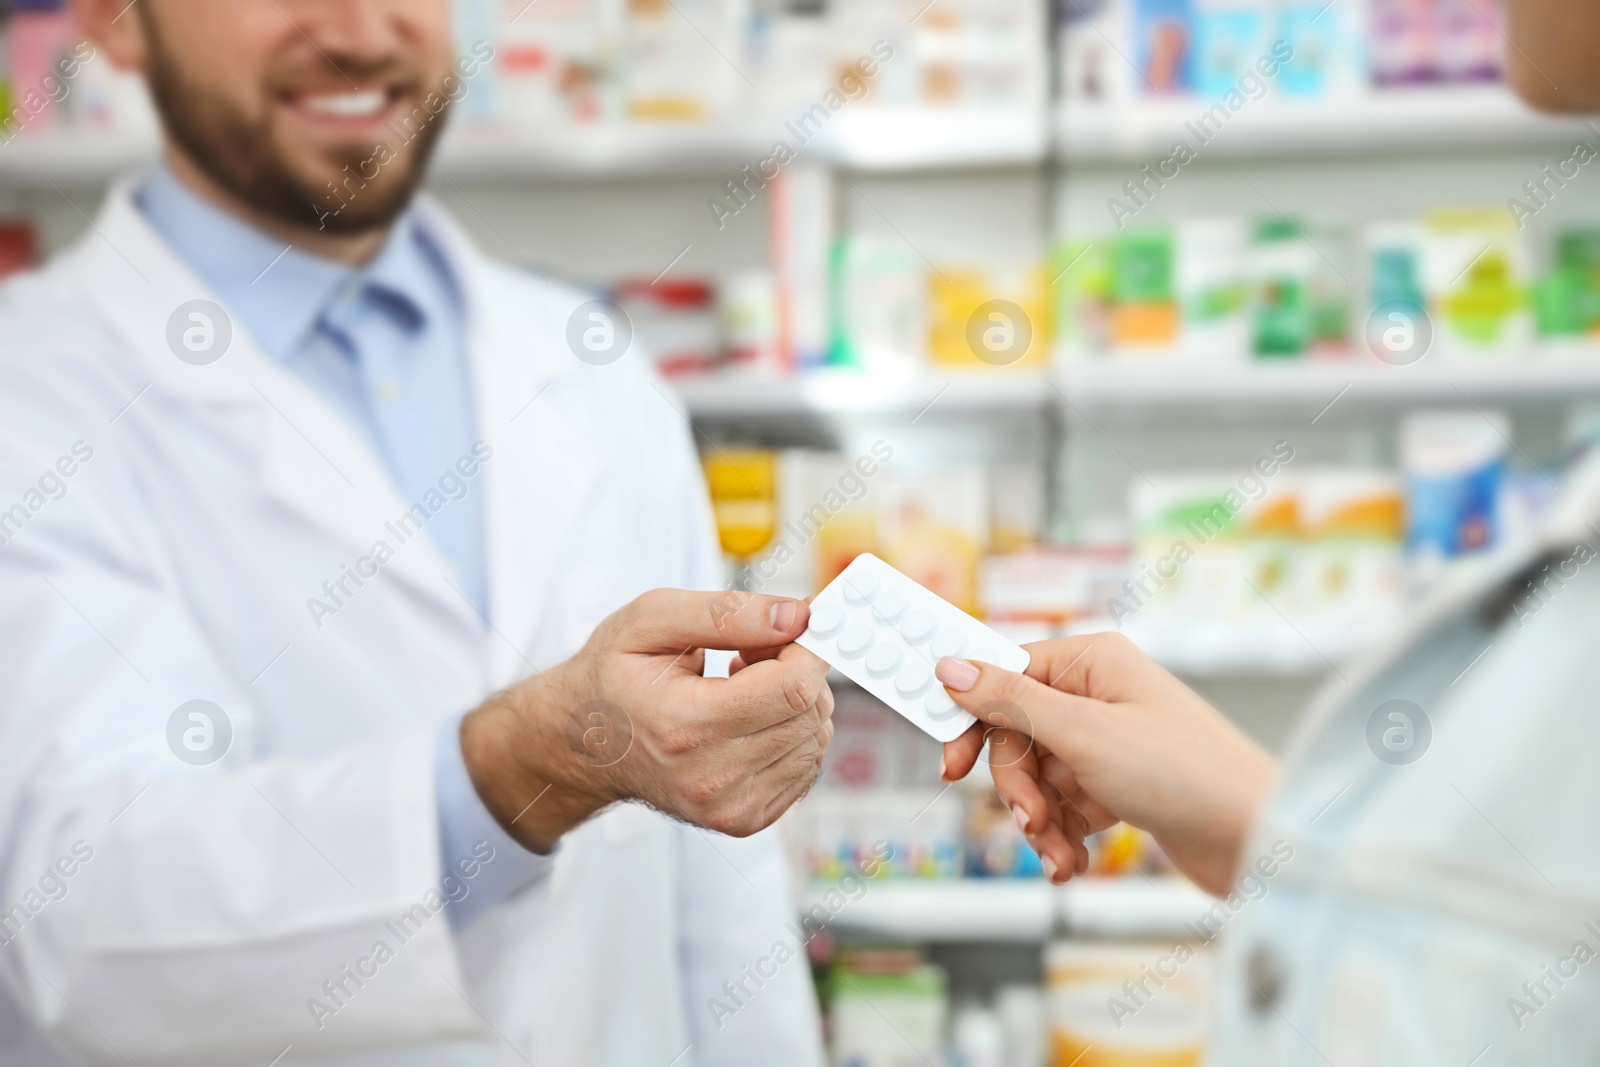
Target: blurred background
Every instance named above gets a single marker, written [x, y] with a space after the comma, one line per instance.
[1236, 325]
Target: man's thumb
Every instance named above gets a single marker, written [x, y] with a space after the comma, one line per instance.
[670, 619]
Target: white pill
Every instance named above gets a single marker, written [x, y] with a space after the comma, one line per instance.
[826, 620]
[858, 587]
[884, 659]
[949, 642]
[889, 605]
[913, 678]
[918, 626]
[854, 639]
[939, 705]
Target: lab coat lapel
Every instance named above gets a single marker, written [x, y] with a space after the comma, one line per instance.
[313, 463]
[543, 469]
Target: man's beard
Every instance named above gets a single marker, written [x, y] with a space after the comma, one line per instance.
[239, 157]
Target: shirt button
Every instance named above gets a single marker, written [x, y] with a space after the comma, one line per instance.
[388, 392]
[1264, 974]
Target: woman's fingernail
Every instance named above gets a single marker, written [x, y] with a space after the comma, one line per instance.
[941, 769]
[956, 674]
[1021, 817]
[783, 614]
[1049, 867]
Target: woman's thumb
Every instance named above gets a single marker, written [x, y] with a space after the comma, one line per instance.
[1005, 699]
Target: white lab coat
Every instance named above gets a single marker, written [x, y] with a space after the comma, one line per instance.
[1421, 897]
[177, 566]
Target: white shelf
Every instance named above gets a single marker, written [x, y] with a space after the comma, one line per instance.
[72, 159]
[1151, 385]
[871, 138]
[865, 139]
[1196, 650]
[1204, 388]
[1380, 121]
[730, 395]
[1022, 910]
[963, 909]
[933, 138]
[1130, 906]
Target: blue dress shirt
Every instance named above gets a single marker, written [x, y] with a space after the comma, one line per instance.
[385, 344]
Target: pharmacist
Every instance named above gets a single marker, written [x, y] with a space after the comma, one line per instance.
[292, 479]
[1419, 881]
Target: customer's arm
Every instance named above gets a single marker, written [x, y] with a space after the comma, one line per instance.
[1116, 738]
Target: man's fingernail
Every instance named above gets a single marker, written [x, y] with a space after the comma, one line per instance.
[1049, 867]
[1021, 817]
[957, 674]
[783, 614]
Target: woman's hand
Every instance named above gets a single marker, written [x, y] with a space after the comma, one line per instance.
[1115, 739]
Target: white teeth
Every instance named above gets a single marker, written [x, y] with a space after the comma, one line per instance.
[348, 105]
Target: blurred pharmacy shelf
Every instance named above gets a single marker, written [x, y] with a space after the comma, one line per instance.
[1024, 910]
[870, 139]
[1382, 121]
[77, 158]
[912, 138]
[957, 909]
[1218, 650]
[1156, 384]
[1199, 387]
[1129, 906]
[729, 395]
[925, 138]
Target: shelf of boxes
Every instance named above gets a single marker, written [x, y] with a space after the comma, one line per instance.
[871, 139]
[1020, 911]
[1129, 906]
[1380, 121]
[1154, 384]
[732, 395]
[957, 909]
[1270, 650]
[1204, 387]
[912, 138]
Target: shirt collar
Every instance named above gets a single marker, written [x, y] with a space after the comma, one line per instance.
[277, 291]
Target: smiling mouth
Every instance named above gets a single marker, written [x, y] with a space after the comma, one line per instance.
[348, 105]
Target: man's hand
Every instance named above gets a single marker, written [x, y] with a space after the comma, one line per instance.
[1115, 738]
[630, 718]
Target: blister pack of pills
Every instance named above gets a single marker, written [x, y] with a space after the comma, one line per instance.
[885, 633]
